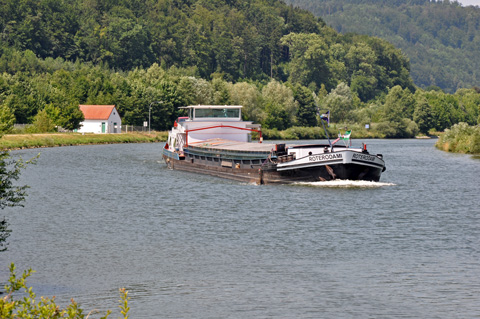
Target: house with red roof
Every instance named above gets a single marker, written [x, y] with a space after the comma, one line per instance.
[100, 119]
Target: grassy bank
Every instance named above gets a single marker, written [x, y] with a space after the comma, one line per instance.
[315, 133]
[19, 141]
[460, 138]
[376, 130]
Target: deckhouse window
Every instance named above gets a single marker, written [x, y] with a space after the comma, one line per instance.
[217, 113]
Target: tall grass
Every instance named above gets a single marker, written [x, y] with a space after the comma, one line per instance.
[460, 138]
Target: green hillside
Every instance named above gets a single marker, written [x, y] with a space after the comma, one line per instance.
[86, 50]
[280, 62]
[441, 39]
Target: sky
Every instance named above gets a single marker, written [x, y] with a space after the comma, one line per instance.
[470, 2]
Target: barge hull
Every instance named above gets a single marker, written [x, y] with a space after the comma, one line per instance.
[269, 175]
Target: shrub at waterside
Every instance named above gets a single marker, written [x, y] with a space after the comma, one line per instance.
[461, 138]
[30, 307]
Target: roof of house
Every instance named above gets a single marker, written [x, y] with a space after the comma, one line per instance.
[97, 112]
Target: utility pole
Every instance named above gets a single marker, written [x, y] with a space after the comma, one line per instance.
[150, 112]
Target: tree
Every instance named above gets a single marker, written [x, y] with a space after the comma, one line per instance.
[364, 87]
[445, 110]
[42, 123]
[165, 113]
[7, 119]
[469, 103]
[248, 96]
[70, 117]
[399, 104]
[279, 102]
[277, 117]
[221, 95]
[309, 54]
[430, 33]
[10, 194]
[397, 113]
[307, 110]
[339, 102]
[423, 115]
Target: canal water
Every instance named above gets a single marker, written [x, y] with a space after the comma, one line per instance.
[103, 217]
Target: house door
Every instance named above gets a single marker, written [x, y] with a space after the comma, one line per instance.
[114, 127]
[103, 127]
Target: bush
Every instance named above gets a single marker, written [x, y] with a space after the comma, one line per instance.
[304, 133]
[42, 123]
[405, 128]
[271, 134]
[7, 119]
[294, 133]
[31, 307]
[460, 138]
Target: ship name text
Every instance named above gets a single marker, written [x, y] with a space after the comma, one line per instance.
[324, 157]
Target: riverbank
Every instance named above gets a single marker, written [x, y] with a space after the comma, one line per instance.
[316, 133]
[460, 138]
[21, 141]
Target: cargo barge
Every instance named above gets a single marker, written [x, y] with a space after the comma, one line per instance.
[214, 140]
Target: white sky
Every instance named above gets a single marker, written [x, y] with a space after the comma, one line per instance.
[470, 2]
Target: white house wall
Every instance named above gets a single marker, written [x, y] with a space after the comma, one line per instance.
[91, 126]
[95, 126]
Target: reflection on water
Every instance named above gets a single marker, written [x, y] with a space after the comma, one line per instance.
[346, 184]
[98, 218]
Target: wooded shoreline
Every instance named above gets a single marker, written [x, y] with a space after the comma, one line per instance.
[24, 141]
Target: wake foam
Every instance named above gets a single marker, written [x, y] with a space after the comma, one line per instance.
[345, 184]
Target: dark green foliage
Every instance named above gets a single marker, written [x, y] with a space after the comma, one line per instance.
[423, 116]
[7, 119]
[4, 233]
[307, 110]
[441, 38]
[70, 117]
[397, 113]
[132, 53]
[461, 138]
[10, 194]
[42, 123]
[295, 133]
[277, 118]
[234, 39]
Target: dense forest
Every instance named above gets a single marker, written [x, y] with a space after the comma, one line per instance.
[280, 62]
[441, 38]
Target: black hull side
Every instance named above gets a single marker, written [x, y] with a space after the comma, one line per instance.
[248, 175]
[269, 174]
[325, 173]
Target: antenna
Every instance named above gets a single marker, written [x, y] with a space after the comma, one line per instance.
[326, 117]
